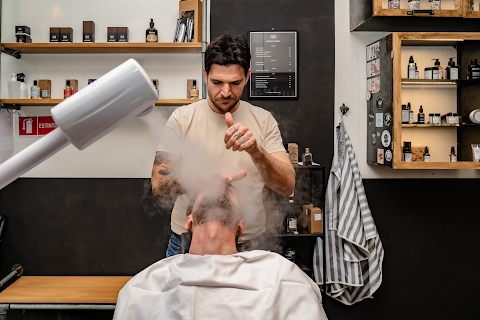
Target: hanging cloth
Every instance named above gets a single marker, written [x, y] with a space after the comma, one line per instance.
[353, 250]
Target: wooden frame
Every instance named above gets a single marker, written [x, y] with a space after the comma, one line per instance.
[378, 11]
[196, 6]
[467, 13]
[397, 38]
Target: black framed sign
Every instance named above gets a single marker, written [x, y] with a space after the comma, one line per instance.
[273, 64]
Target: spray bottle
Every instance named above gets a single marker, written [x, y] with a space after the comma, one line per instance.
[23, 86]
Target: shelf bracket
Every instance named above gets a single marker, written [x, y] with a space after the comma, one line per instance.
[10, 106]
[412, 12]
[13, 53]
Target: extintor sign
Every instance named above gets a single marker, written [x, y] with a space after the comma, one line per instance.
[35, 126]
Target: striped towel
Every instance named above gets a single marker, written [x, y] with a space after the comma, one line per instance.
[354, 252]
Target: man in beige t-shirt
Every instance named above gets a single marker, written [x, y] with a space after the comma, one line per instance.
[222, 138]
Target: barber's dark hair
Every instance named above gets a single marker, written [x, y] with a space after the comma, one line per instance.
[226, 51]
[214, 205]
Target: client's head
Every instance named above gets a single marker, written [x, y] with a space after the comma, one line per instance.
[215, 219]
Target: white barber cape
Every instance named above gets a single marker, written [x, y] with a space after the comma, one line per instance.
[247, 285]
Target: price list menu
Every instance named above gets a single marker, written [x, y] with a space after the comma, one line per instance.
[274, 64]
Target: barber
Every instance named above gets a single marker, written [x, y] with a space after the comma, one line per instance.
[216, 126]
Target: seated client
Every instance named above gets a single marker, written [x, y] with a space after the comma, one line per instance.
[214, 281]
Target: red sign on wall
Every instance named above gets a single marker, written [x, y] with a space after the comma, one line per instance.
[45, 125]
[27, 126]
[35, 126]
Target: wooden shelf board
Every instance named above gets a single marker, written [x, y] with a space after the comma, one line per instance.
[404, 13]
[437, 165]
[429, 82]
[52, 102]
[106, 47]
[416, 125]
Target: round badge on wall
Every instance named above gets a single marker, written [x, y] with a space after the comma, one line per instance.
[388, 155]
[388, 119]
[386, 138]
[368, 95]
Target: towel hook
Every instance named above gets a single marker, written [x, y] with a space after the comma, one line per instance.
[344, 109]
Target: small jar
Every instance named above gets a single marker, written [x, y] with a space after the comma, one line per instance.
[450, 118]
[456, 119]
[436, 118]
[430, 118]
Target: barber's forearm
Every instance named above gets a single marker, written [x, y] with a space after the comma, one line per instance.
[164, 182]
[278, 176]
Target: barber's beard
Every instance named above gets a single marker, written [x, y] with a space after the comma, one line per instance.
[225, 108]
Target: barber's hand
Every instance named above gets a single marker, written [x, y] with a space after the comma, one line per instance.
[229, 177]
[238, 137]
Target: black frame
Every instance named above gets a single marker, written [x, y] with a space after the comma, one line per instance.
[295, 96]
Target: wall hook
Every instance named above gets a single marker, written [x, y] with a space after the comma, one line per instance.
[344, 109]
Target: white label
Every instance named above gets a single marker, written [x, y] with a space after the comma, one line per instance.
[453, 158]
[434, 5]
[414, 4]
[411, 71]
[410, 117]
[394, 4]
[318, 217]
[292, 223]
[440, 74]
[434, 74]
[35, 92]
[453, 73]
[407, 157]
[426, 158]
[405, 116]
[428, 74]
[417, 74]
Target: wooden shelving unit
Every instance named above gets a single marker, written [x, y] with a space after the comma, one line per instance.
[437, 165]
[429, 82]
[111, 47]
[53, 102]
[467, 12]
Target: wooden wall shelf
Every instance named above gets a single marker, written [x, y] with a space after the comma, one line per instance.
[112, 47]
[372, 16]
[428, 125]
[437, 165]
[53, 102]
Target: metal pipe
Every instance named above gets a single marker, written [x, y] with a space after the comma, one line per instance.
[9, 276]
[2, 224]
[204, 45]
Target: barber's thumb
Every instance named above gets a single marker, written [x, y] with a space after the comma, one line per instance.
[239, 175]
[229, 119]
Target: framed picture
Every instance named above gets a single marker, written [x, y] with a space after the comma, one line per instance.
[273, 64]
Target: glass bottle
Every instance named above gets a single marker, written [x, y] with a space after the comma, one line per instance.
[407, 151]
[410, 113]
[426, 155]
[151, 33]
[453, 156]
[473, 70]
[307, 157]
[194, 90]
[290, 254]
[404, 114]
[292, 224]
[155, 85]
[35, 90]
[421, 116]
[68, 90]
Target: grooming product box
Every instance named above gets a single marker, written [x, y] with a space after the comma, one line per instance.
[88, 31]
[315, 225]
[54, 34]
[73, 83]
[122, 34]
[112, 34]
[66, 34]
[22, 33]
[293, 153]
[45, 88]
[23, 38]
[22, 30]
[189, 88]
